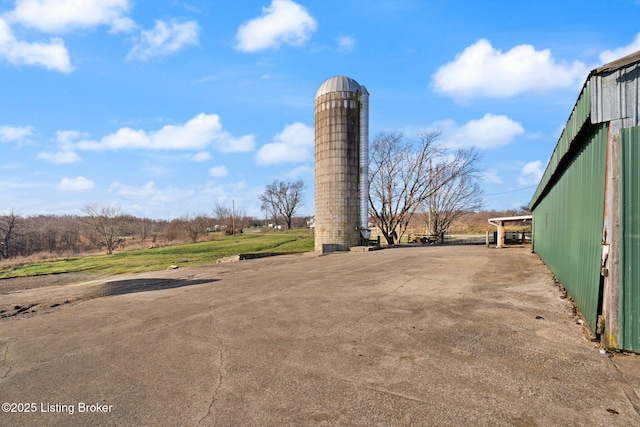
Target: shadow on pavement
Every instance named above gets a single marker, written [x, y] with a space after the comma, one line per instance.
[93, 291]
[121, 287]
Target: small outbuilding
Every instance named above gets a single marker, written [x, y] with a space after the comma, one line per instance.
[501, 224]
[586, 209]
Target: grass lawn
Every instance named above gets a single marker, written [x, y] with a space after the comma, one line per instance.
[161, 258]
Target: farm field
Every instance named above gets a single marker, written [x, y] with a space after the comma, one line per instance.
[136, 261]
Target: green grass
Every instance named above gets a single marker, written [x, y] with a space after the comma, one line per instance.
[161, 258]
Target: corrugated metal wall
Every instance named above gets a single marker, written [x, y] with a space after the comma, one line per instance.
[578, 118]
[630, 240]
[615, 96]
[568, 221]
[568, 205]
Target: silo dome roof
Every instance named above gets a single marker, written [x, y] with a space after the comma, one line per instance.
[338, 84]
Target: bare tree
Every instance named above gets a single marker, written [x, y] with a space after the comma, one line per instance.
[460, 195]
[71, 239]
[283, 199]
[231, 218]
[194, 226]
[10, 223]
[50, 235]
[402, 176]
[522, 210]
[106, 224]
[144, 226]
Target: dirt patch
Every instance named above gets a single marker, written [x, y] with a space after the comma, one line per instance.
[23, 283]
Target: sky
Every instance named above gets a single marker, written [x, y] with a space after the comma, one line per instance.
[166, 108]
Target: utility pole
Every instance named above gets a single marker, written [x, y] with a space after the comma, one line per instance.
[429, 204]
[233, 216]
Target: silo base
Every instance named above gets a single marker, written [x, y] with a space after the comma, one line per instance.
[333, 247]
[364, 248]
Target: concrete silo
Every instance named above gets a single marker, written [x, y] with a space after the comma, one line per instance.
[341, 111]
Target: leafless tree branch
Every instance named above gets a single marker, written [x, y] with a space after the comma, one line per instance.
[107, 224]
[282, 199]
[405, 173]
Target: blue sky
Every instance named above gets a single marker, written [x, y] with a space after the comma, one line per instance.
[167, 107]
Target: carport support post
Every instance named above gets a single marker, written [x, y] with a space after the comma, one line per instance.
[500, 239]
[499, 222]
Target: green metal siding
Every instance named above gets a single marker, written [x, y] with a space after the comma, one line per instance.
[630, 240]
[578, 118]
[568, 220]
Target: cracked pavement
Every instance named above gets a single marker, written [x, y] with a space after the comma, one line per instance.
[452, 335]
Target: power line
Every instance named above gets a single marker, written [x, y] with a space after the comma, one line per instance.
[512, 191]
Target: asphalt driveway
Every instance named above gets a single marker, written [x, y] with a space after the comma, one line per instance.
[452, 335]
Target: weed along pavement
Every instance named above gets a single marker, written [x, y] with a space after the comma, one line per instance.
[451, 335]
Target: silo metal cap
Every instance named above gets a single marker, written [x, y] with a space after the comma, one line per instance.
[339, 84]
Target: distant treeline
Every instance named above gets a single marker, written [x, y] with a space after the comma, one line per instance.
[66, 235]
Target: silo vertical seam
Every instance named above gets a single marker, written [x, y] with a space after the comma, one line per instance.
[364, 159]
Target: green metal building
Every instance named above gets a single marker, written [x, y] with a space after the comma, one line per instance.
[586, 209]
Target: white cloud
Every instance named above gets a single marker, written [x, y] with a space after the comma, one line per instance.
[293, 144]
[60, 157]
[57, 16]
[52, 55]
[15, 133]
[154, 169]
[483, 71]
[67, 138]
[165, 38]
[150, 194]
[300, 172]
[531, 173]
[244, 197]
[202, 156]
[146, 190]
[491, 176]
[198, 133]
[491, 131]
[172, 195]
[187, 6]
[611, 55]
[218, 171]
[122, 25]
[75, 184]
[283, 22]
[13, 183]
[346, 43]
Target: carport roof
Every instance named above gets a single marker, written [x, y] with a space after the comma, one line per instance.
[511, 218]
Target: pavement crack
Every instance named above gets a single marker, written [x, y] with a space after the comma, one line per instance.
[376, 302]
[214, 396]
[632, 397]
[360, 385]
[5, 361]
